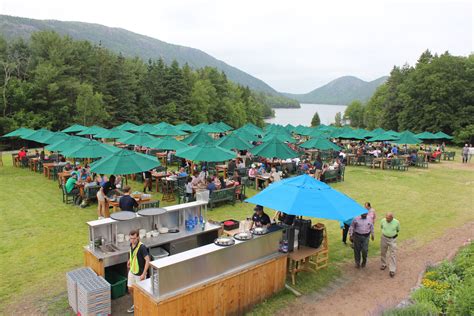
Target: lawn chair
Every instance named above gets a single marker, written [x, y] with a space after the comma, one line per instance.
[66, 195]
[420, 162]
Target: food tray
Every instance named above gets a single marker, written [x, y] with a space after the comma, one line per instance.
[235, 224]
[259, 233]
[230, 241]
[236, 236]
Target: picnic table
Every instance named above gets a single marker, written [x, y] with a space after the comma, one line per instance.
[349, 158]
[159, 176]
[380, 161]
[47, 169]
[308, 259]
[115, 204]
[265, 178]
[33, 163]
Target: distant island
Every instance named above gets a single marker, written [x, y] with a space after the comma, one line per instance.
[341, 91]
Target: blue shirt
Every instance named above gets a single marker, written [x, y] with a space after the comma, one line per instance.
[395, 150]
[182, 174]
[211, 187]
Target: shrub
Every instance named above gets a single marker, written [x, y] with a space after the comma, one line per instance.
[418, 309]
[463, 299]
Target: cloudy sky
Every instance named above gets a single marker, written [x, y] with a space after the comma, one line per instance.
[295, 46]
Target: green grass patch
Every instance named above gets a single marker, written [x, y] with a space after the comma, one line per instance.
[44, 238]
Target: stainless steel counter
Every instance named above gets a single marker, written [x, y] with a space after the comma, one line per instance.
[121, 254]
[174, 274]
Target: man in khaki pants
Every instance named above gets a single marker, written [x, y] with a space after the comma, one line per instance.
[388, 243]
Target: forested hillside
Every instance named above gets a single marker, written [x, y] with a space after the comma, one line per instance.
[52, 81]
[136, 45]
[435, 94]
[340, 91]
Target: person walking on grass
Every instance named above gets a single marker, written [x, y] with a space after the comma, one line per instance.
[360, 230]
[465, 153]
[138, 263]
[388, 243]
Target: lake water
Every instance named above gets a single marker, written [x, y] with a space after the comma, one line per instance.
[304, 114]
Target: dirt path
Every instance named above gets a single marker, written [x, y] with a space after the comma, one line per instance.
[370, 291]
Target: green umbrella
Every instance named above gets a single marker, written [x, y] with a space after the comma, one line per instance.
[304, 131]
[139, 138]
[74, 128]
[407, 138]
[253, 129]
[319, 143]
[197, 138]
[146, 128]
[127, 126]
[92, 130]
[56, 137]
[38, 136]
[168, 131]
[214, 129]
[22, 131]
[208, 152]
[113, 133]
[281, 137]
[90, 149]
[233, 141]
[352, 134]
[223, 126]
[393, 133]
[378, 131]
[383, 137]
[66, 144]
[318, 133]
[166, 143]
[163, 125]
[124, 162]
[441, 135]
[274, 149]
[426, 136]
[184, 127]
[245, 135]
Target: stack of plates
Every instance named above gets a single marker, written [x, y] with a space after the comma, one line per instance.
[73, 278]
[93, 297]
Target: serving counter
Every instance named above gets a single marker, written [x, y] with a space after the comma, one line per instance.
[113, 251]
[213, 279]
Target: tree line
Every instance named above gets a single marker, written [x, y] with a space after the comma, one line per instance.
[53, 81]
[437, 94]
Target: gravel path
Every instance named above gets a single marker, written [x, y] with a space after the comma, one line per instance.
[369, 291]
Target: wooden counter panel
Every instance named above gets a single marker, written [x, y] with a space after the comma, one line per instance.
[95, 264]
[232, 295]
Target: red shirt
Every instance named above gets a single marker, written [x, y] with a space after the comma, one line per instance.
[22, 154]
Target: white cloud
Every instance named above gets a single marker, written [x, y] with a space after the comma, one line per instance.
[294, 46]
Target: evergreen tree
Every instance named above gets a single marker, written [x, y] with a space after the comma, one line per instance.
[316, 120]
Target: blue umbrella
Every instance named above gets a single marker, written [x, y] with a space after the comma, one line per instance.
[306, 196]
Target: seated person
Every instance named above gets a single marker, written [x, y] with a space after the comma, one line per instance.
[237, 179]
[126, 202]
[413, 158]
[395, 150]
[262, 169]
[232, 165]
[71, 188]
[83, 174]
[211, 186]
[182, 172]
[252, 172]
[67, 167]
[259, 218]
[203, 175]
[222, 182]
[109, 187]
[240, 164]
[118, 182]
[274, 175]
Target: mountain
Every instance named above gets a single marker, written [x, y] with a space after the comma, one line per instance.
[130, 44]
[342, 90]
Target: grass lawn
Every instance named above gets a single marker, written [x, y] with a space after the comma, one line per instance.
[43, 238]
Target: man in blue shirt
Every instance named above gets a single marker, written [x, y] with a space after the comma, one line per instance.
[182, 172]
[395, 150]
[211, 186]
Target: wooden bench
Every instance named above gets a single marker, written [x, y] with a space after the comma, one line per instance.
[334, 175]
[421, 163]
[227, 194]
